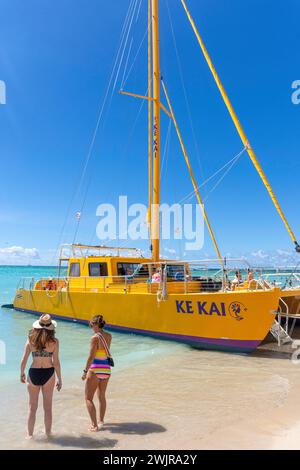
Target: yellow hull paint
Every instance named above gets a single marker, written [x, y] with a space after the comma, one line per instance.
[236, 321]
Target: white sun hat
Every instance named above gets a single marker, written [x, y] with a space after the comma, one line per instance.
[45, 322]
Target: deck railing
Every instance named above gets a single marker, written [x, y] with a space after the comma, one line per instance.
[170, 277]
[284, 280]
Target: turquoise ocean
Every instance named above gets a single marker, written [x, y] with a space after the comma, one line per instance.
[74, 338]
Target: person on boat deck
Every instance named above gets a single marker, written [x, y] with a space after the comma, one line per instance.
[237, 280]
[129, 274]
[97, 371]
[250, 275]
[50, 284]
[156, 276]
[44, 347]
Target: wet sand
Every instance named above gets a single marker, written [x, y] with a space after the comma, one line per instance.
[188, 399]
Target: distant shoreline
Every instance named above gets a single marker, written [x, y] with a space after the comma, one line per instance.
[27, 266]
[262, 268]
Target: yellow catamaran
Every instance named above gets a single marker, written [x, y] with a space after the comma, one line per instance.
[181, 303]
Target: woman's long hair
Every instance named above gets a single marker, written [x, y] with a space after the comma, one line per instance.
[39, 338]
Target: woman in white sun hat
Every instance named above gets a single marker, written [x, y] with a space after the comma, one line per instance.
[44, 347]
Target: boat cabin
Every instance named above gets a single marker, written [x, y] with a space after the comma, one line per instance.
[103, 269]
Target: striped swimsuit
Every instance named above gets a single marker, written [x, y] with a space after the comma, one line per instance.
[100, 366]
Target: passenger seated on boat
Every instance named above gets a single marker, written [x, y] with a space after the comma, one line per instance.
[51, 285]
[237, 280]
[129, 275]
[250, 275]
[156, 276]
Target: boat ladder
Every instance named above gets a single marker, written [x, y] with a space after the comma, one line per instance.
[279, 333]
[282, 334]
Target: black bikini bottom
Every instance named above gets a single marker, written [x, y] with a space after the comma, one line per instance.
[40, 376]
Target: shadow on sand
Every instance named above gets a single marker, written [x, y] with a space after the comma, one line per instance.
[84, 442]
[140, 429]
[272, 353]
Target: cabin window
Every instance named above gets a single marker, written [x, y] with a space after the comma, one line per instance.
[74, 270]
[175, 271]
[128, 269]
[98, 269]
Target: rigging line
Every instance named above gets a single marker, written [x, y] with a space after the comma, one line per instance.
[130, 135]
[134, 124]
[104, 124]
[104, 100]
[169, 151]
[138, 13]
[126, 28]
[179, 65]
[126, 150]
[80, 179]
[222, 177]
[82, 209]
[192, 193]
[233, 160]
[136, 56]
[236, 157]
[127, 36]
[164, 160]
[102, 110]
[124, 47]
[127, 144]
[126, 64]
[125, 32]
[166, 148]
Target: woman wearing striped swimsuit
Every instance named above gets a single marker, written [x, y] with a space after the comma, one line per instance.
[97, 371]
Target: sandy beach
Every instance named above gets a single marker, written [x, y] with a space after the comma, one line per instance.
[188, 399]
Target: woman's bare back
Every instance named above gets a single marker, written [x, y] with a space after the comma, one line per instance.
[43, 359]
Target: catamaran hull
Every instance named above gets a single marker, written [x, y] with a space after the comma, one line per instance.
[222, 321]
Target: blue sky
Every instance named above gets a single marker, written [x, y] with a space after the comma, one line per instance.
[56, 58]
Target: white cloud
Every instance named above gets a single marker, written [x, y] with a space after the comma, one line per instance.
[18, 254]
[259, 254]
[284, 253]
[273, 258]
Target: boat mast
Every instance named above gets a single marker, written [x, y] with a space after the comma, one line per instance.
[155, 218]
[150, 126]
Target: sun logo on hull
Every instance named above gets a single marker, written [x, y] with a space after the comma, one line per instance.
[235, 310]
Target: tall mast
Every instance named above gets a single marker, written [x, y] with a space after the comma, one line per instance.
[150, 125]
[156, 133]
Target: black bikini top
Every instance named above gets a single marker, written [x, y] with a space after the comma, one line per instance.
[42, 353]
